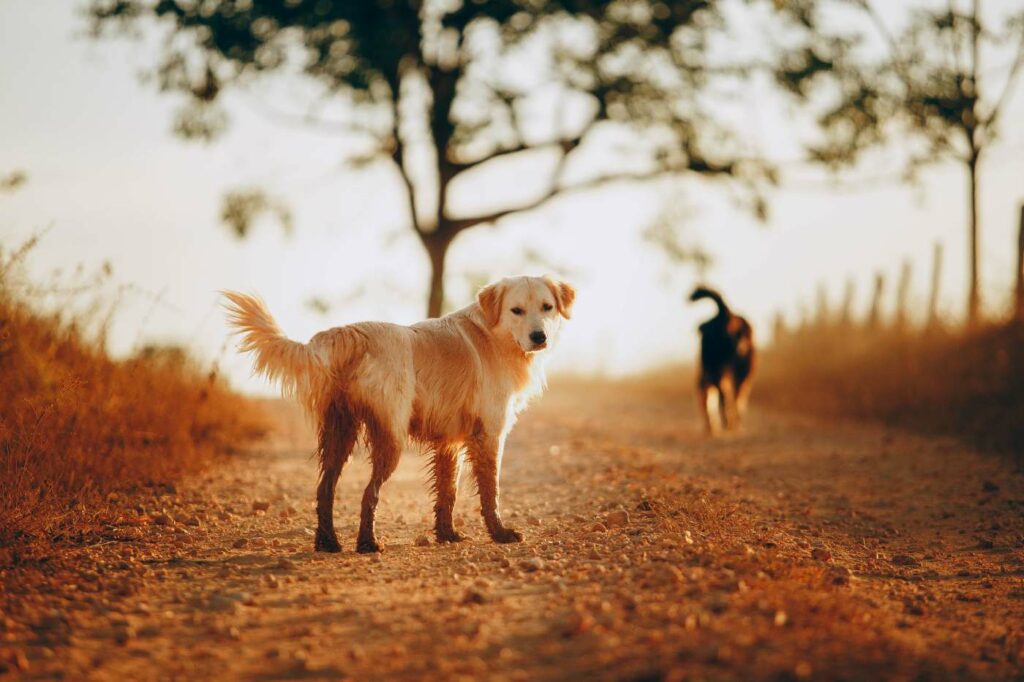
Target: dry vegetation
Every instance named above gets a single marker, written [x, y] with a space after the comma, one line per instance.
[965, 384]
[77, 426]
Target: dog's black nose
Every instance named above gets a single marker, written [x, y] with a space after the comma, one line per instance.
[538, 337]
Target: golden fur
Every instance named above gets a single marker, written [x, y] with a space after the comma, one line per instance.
[454, 384]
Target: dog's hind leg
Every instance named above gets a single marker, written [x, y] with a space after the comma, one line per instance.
[338, 431]
[385, 449]
[709, 406]
[446, 468]
[730, 416]
[743, 398]
[485, 453]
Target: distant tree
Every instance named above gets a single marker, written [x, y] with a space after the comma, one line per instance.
[443, 88]
[925, 85]
[9, 182]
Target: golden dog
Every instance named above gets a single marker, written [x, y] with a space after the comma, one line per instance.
[454, 384]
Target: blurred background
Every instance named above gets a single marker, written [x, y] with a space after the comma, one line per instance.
[784, 152]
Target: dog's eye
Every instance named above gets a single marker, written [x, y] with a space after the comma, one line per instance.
[517, 311]
[546, 307]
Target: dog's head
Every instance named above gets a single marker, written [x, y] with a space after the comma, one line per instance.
[529, 309]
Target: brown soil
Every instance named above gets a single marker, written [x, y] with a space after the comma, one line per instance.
[796, 549]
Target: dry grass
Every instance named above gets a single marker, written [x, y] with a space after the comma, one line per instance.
[969, 385]
[76, 424]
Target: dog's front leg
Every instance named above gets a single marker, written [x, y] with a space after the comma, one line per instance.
[447, 466]
[485, 453]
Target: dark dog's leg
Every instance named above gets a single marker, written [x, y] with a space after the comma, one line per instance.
[743, 398]
[447, 465]
[709, 397]
[338, 432]
[385, 451]
[485, 453]
[730, 416]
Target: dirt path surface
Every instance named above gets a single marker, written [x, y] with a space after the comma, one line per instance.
[795, 550]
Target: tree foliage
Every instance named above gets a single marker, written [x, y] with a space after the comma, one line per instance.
[924, 85]
[466, 82]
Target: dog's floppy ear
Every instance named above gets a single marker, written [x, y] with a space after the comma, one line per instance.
[490, 299]
[564, 296]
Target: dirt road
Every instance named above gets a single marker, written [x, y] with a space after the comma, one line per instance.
[795, 550]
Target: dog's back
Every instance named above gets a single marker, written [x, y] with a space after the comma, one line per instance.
[727, 345]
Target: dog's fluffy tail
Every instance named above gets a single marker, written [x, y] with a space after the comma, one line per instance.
[301, 372]
[705, 292]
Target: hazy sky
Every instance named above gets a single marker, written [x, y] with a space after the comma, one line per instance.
[112, 184]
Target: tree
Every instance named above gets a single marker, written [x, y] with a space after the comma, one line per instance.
[441, 89]
[926, 85]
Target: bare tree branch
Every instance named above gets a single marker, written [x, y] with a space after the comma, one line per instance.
[698, 166]
[992, 119]
[310, 122]
[398, 156]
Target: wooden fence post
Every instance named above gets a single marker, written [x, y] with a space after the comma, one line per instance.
[902, 294]
[875, 314]
[933, 298]
[1020, 269]
[822, 314]
[846, 312]
[779, 331]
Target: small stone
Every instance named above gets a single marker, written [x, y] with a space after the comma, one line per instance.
[821, 554]
[260, 505]
[124, 634]
[617, 518]
[285, 564]
[687, 537]
[423, 541]
[474, 596]
[533, 521]
[780, 619]
[531, 565]
[239, 543]
[905, 560]
[163, 519]
[220, 602]
[149, 630]
[990, 487]
[579, 624]
[840, 575]
[19, 661]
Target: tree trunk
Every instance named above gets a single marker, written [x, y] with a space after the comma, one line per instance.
[933, 298]
[974, 291]
[437, 249]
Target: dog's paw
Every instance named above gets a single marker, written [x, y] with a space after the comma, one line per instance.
[326, 542]
[506, 536]
[368, 546]
[448, 536]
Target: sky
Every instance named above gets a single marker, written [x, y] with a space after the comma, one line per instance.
[109, 183]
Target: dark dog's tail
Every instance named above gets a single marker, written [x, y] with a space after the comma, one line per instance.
[705, 292]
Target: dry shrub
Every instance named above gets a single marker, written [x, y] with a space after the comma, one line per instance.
[966, 384]
[76, 424]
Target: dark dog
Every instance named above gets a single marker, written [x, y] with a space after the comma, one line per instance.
[727, 362]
